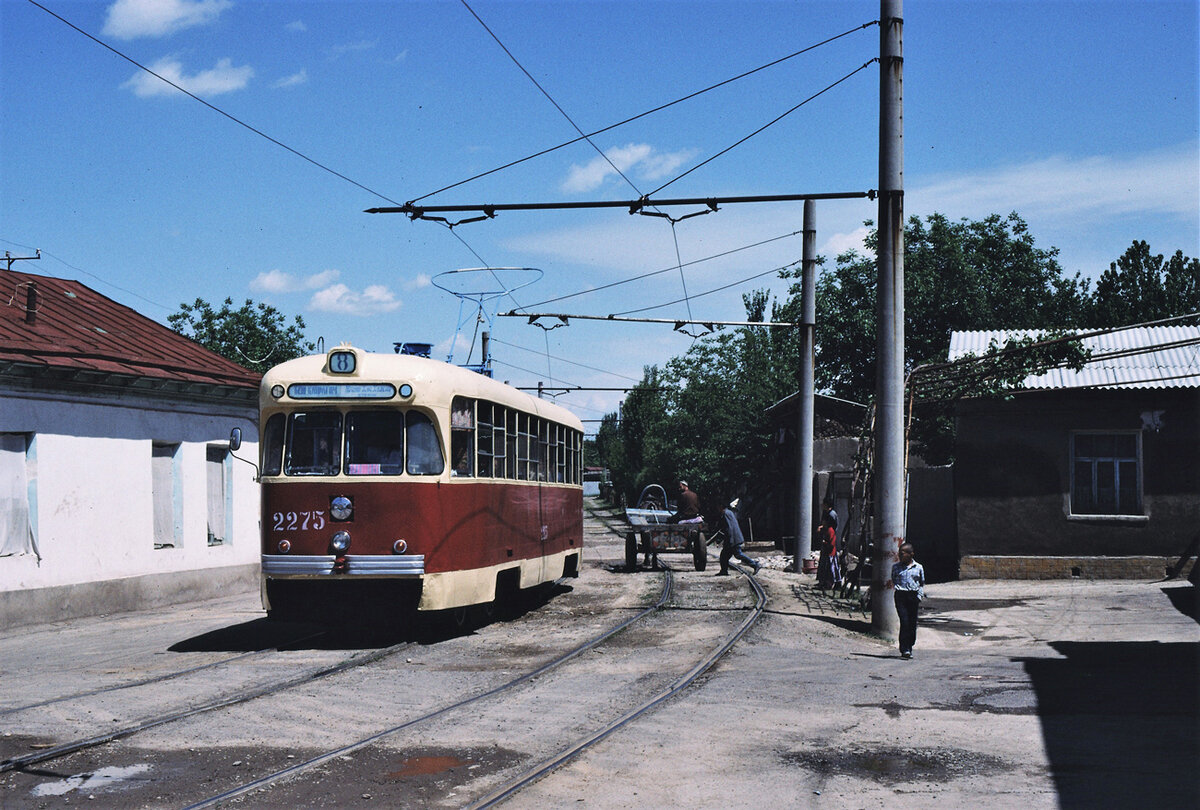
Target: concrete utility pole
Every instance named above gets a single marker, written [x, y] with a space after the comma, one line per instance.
[889, 380]
[804, 425]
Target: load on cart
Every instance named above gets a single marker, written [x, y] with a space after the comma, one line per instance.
[652, 531]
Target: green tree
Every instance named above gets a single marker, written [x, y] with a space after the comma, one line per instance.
[958, 276]
[256, 337]
[622, 439]
[1141, 286]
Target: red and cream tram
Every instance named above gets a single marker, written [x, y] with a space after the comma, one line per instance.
[395, 481]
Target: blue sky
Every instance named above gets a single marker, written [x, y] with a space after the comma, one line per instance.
[1081, 116]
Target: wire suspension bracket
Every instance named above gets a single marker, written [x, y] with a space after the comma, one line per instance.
[488, 210]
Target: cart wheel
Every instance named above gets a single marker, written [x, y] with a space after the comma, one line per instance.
[631, 552]
[700, 551]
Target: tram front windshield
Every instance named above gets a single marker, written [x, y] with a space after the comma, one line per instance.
[379, 442]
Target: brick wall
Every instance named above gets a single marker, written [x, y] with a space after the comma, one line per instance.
[996, 567]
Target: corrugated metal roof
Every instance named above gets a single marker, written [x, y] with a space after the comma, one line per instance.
[76, 328]
[1141, 357]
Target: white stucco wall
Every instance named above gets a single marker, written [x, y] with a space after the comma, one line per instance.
[94, 507]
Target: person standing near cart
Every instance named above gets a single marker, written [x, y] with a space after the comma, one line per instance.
[908, 583]
[734, 542]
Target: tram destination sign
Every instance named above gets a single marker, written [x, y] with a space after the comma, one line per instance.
[341, 391]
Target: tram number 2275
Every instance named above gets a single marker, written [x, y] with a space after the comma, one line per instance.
[297, 521]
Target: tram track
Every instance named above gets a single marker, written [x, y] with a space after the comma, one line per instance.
[179, 673]
[513, 786]
[543, 765]
[54, 752]
[267, 781]
[325, 757]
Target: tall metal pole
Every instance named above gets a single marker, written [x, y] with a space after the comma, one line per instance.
[889, 379]
[804, 425]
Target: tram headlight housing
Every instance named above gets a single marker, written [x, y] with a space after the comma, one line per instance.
[277, 391]
[341, 507]
[340, 542]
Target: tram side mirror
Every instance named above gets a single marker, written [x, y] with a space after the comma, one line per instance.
[235, 444]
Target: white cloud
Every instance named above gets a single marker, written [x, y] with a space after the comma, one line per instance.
[350, 47]
[1067, 189]
[1089, 207]
[297, 25]
[223, 78]
[456, 346]
[129, 19]
[641, 159]
[422, 281]
[341, 300]
[300, 77]
[839, 243]
[277, 281]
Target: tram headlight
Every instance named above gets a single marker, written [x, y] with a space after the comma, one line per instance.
[399, 547]
[277, 391]
[285, 546]
[340, 542]
[341, 508]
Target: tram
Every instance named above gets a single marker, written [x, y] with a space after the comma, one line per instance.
[393, 482]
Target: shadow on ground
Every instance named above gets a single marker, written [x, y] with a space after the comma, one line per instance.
[1120, 724]
[1186, 600]
[362, 632]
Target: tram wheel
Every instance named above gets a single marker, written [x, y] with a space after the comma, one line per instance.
[631, 552]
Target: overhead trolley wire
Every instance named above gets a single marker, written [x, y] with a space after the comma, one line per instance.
[562, 360]
[712, 291]
[549, 98]
[649, 112]
[765, 126]
[664, 270]
[213, 107]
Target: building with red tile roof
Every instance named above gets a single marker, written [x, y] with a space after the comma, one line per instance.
[59, 332]
[117, 487]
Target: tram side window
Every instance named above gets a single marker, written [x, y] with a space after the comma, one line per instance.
[568, 456]
[272, 445]
[545, 450]
[424, 449]
[577, 457]
[499, 441]
[483, 438]
[523, 443]
[375, 443]
[462, 436]
[510, 444]
[314, 442]
[559, 454]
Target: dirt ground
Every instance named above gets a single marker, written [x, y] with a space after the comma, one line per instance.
[1054, 694]
[1025, 695]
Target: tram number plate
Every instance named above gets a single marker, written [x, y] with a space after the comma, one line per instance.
[297, 521]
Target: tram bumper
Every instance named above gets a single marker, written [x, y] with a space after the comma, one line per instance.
[405, 566]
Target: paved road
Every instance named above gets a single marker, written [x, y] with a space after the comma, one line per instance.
[1070, 694]
[1063, 694]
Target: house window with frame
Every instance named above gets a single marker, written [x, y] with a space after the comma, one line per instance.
[18, 495]
[1106, 474]
[166, 494]
[217, 474]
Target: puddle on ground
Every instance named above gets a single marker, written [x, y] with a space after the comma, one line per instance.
[428, 765]
[113, 778]
[891, 766]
